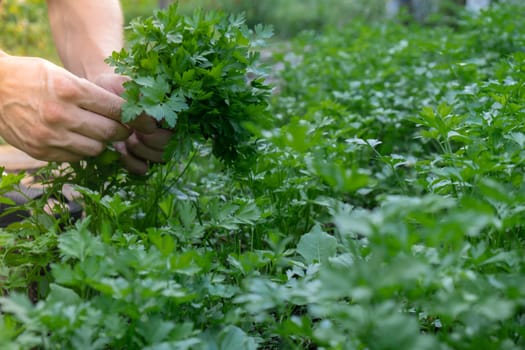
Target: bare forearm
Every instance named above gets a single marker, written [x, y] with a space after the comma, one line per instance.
[85, 33]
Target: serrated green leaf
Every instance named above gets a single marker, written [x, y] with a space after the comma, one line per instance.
[196, 69]
[79, 243]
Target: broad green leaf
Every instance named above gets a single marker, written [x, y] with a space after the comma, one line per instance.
[317, 246]
[59, 294]
[233, 337]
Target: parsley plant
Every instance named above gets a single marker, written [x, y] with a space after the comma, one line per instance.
[197, 75]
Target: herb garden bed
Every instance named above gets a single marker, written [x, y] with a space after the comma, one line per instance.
[381, 206]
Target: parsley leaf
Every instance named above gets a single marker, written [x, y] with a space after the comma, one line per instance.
[191, 73]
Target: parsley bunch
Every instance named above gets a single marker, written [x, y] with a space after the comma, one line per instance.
[198, 76]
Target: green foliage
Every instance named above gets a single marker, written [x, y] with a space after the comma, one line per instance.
[384, 210]
[25, 30]
[293, 16]
[190, 73]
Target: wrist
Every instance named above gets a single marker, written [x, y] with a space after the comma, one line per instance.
[88, 66]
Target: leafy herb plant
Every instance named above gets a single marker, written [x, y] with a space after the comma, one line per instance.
[198, 76]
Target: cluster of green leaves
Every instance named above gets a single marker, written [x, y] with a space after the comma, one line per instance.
[384, 210]
[197, 75]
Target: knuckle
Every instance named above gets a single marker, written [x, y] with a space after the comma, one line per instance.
[65, 87]
[133, 142]
[114, 110]
[53, 113]
[96, 149]
[113, 133]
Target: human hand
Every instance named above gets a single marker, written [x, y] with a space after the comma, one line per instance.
[53, 115]
[147, 141]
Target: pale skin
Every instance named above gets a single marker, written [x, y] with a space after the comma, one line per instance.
[66, 114]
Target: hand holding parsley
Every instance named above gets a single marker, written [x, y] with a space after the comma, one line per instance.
[190, 74]
[147, 140]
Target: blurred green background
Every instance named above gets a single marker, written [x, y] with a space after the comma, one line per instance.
[25, 30]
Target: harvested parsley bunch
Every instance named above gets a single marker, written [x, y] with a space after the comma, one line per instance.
[197, 75]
